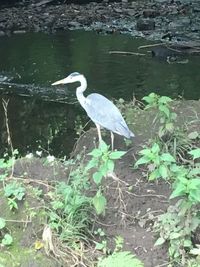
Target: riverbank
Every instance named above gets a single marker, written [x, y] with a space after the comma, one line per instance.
[155, 20]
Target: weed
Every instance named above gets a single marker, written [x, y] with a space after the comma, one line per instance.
[165, 114]
[5, 238]
[103, 160]
[120, 258]
[14, 192]
[158, 163]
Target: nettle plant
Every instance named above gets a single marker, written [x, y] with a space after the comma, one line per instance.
[103, 160]
[158, 163]
[180, 222]
[165, 114]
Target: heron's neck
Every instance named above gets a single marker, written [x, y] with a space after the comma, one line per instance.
[79, 91]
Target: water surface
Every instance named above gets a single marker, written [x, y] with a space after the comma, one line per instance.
[30, 63]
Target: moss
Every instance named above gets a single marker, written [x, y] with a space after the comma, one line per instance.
[24, 257]
[21, 252]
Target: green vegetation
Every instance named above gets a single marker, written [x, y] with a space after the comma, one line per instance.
[69, 207]
[179, 223]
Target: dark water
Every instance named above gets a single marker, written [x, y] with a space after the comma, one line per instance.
[30, 63]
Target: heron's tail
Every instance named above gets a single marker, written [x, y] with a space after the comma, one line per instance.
[123, 130]
[132, 134]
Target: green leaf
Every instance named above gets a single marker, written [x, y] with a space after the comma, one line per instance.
[92, 163]
[145, 152]
[151, 98]
[164, 99]
[159, 241]
[116, 154]
[155, 148]
[179, 191]
[194, 184]
[195, 153]
[193, 135]
[95, 153]
[175, 235]
[110, 165]
[2, 223]
[7, 240]
[163, 170]
[120, 259]
[141, 161]
[167, 157]
[97, 177]
[103, 146]
[187, 243]
[99, 202]
[165, 110]
[104, 169]
[194, 195]
[154, 175]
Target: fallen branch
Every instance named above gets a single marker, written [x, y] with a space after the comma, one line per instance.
[126, 53]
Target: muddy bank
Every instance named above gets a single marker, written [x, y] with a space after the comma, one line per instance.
[155, 20]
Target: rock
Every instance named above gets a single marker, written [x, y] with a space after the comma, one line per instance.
[145, 25]
[150, 13]
[19, 32]
[179, 23]
[2, 33]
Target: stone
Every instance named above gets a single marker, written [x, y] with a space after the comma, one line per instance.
[145, 25]
[2, 33]
[150, 13]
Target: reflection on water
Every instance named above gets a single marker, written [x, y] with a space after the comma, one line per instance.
[30, 63]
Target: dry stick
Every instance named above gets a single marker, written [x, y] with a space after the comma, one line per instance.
[126, 53]
[5, 107]
[152, 45]
[9, 140]
[28, 180]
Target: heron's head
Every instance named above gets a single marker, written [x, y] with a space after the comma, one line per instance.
[73, 77]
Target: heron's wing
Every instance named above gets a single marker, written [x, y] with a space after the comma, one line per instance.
[103, 112]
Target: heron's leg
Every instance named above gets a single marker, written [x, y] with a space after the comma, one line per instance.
[112, 140]
[99, 132]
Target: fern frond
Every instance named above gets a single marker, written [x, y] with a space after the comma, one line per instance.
[120, 259]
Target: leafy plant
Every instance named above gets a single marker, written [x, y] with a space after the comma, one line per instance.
[103, 160]
[186, 184]
[5, 238]
[176, 227]
[165, 115]
[195, 153]
[181, 220]
[70, 211]
[120, 258]
[14, 191]
[158, 163]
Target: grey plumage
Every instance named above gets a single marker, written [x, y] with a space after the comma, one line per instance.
[100, 109]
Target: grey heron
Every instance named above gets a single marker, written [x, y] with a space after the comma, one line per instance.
[99, 109]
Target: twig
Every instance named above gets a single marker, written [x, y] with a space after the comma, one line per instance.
[152, 45]
[126, 53]
[19, 221]
[28, 180]
[9, 140]
[148, 195]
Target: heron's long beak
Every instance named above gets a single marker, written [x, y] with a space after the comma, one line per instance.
[63, 81]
